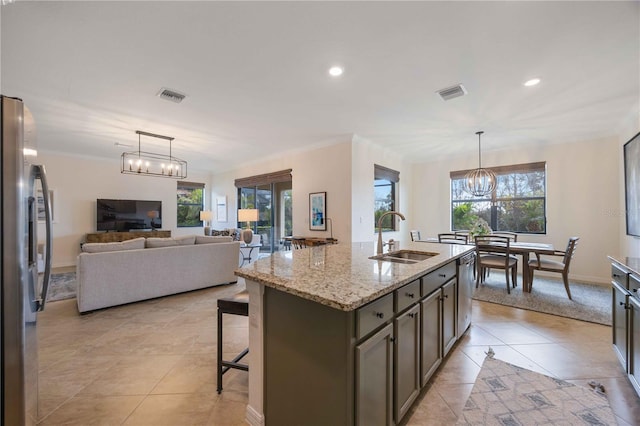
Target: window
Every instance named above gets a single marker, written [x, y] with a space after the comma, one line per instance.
[384, 186]
[518, 204]
[190, 203]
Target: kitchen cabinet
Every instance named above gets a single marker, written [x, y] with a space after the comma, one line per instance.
[406, 360]
[374, 372]
[449, 320]
[431, 354]
[625, 285]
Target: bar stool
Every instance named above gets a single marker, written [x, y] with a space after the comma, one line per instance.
[237, 304]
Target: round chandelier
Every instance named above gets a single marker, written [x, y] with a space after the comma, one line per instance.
[480, 182]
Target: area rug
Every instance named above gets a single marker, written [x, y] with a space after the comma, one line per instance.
[590, 302]
[504, 394]
[62, 286]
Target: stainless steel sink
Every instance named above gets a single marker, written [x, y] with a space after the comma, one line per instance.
[404, 256]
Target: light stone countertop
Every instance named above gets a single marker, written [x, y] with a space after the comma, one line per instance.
[342, 276]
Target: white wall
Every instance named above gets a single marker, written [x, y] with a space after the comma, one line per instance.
[317, 170]
[582, 196]
[365, 155]
[79, 181]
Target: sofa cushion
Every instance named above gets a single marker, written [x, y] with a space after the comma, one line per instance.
[187, 240]
[160, 242]
[134, 244]
[204, 239]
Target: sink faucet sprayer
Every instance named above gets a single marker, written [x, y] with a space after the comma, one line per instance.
[380, 228]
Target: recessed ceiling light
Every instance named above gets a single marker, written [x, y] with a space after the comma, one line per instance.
[532, 82]
[336, 71]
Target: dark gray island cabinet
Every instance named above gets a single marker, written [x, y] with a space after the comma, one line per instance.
[625, 285]
[352, 350]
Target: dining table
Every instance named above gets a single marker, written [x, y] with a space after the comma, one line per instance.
[524, 249]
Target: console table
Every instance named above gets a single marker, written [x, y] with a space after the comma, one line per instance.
[113, 237]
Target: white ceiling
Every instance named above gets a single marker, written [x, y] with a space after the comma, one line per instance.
[256, 74]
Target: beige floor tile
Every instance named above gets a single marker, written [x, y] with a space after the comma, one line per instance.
[85, 411]
[504, 353]
[171, 410]
[229, 413]
[566, 364]
[476, 336]
[191, 374]
[429, 409]
[133, 375]
[458, 368]
[454, 395]
[165, 349]
[511, 333]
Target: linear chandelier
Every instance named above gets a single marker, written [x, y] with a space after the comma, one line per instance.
[480, 182]
[143, 163]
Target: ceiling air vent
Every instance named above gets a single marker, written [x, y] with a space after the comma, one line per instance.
[171, 95]
[452, 92]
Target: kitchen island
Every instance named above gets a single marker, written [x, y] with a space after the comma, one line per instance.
[338, 338]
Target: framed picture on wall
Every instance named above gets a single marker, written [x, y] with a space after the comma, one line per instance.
[318, 211]
[632, 185]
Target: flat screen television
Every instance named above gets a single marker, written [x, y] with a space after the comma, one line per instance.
[632, 185]
[128, 215]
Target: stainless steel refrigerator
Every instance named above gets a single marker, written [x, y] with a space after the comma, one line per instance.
[24, 288]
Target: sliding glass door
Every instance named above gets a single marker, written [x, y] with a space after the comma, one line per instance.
[273, 202]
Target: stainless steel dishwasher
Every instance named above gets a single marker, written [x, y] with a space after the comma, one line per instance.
[466, 264]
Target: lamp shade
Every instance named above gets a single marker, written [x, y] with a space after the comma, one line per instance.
[206, 215]
[247, 215]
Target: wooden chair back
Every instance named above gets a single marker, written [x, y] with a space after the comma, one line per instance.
[511, 235]
[572, 246]
[452, 238]
[493, 244]
[467, 235]
[298, 243]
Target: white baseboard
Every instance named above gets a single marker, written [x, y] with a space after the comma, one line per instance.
[253, 417]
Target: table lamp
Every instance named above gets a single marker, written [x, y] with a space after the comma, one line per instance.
[247, 215]
[206, 216]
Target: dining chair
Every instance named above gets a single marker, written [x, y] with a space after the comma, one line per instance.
[561, 267]
[298, 243]
[451, 238]
[511, 235]
[492, 251]
[466, 233]
[415, 235]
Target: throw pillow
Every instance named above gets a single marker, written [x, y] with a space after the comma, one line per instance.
[160, 242]
[134, 244]
[203, 239]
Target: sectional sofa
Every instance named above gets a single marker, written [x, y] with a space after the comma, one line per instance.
[110, 274]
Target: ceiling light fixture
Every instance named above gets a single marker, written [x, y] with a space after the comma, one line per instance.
[532, 82]
[336, 71]
[151, 164]
[480, 182]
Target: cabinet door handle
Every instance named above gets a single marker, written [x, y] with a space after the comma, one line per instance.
[635, 290]
[380, 314]
[412, 315]
[617, 275]
[410, 295]
[392, 339]
[442, 275]
[446, 296]
[621, 303]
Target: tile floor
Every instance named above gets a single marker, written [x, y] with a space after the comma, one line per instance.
[153, 363]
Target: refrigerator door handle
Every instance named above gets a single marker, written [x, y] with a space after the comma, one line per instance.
[40, 173]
